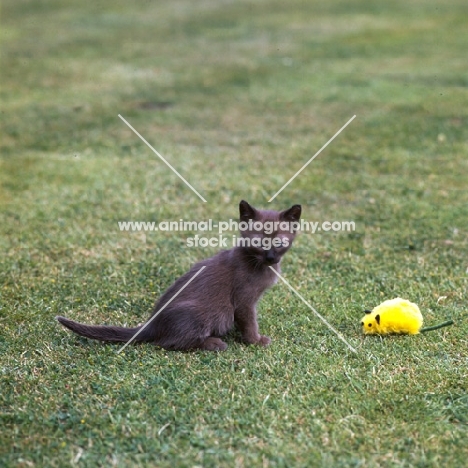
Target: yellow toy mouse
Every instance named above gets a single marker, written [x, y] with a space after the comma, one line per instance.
[396, 316]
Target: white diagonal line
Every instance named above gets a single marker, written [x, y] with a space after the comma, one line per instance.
[161, 309]
[334, 330]
[162, 159]
[311, 159]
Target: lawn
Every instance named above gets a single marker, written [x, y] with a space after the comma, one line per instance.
[237, 96]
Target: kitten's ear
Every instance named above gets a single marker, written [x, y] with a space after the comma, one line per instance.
[293, 214]
[246, 211]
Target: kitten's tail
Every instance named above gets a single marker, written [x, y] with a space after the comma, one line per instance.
[105, 333]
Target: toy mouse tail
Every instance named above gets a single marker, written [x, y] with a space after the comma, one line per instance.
[436, 327]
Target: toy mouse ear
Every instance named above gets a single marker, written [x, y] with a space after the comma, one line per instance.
[367, 311]
[377, 318]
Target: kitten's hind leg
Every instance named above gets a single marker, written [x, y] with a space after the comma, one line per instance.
[213, 344]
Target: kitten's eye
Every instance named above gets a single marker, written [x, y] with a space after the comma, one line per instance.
[282, 240]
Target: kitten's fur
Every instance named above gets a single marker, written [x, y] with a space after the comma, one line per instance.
[223, 294]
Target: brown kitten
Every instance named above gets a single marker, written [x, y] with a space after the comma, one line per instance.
[223, 294]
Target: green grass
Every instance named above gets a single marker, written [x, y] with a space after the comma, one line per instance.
[237, 96]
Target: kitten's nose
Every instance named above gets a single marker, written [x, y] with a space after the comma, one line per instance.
[270, 256]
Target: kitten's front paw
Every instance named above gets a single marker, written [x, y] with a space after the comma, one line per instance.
[264, 340]
[257, 339]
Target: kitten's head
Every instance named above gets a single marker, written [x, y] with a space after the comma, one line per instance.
[267, 235]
